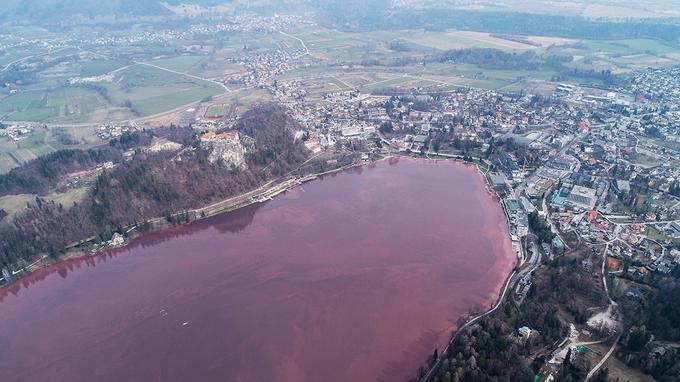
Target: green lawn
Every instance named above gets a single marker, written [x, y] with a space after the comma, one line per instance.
[170, 97]
[99, 67]
[142, 75]
[13, 204]
[655, 234]
[184, 64]
[6, 163]
[649, 46]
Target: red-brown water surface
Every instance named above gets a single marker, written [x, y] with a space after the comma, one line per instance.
[355, 277]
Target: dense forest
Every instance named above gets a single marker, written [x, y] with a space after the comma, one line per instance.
[151, 185]
[485, 352]
[541, 228]
[41, 174]
[490, 58]
[652, 321]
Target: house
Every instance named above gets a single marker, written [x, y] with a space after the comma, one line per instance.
[117, 240]
[313, 144]
[526, 204]
[225, 147]
[419, 142]
[613, 264]
[512, 206]
[659, 351]
[507, 162]
[634, 292]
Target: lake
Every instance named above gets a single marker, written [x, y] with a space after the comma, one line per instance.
[357, 276]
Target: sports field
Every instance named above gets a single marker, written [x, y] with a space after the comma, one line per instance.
[217, 111]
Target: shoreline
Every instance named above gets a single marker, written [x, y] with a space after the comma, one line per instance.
[267, 192]
[260, 194]
[471, 318]
[172, 261]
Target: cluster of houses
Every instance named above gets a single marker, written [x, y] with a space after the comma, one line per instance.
[248, 23]
[658, 84]
[108, 131]
[16, 132]
[259, 68]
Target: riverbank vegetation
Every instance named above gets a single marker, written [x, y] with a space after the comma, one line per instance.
[493, 349]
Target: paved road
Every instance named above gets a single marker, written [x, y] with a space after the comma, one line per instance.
[534, 261]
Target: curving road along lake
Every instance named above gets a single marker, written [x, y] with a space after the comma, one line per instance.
[354, 277]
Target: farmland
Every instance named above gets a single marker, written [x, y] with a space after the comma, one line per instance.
[153, 83]
[135, 91]
[140, 83]
[44, 141]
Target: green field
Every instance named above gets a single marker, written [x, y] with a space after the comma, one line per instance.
[626, 47]
[150, 91]
[44, 141]
[215, 111]
[99, 67]
[339, 60]
[184, 64]
[58, 105]
[13, 204]
[393, 82]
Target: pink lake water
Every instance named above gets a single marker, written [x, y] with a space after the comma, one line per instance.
[353, 277]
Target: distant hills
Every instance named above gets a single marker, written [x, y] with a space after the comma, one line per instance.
[65, 11]
[346, 15]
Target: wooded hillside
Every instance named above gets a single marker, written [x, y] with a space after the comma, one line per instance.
[152, 185]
